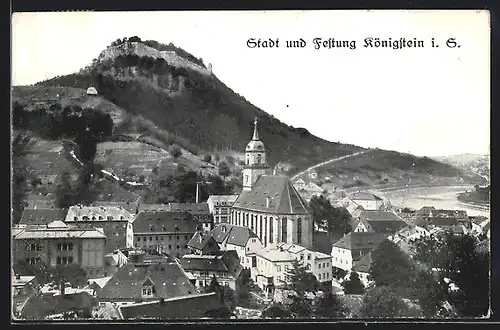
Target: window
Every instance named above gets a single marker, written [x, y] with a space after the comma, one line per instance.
[324, 265]
[161, 238]
[185, 246]
[260, 227]
[186, 237]
[70, 246]
[58, 260]
[319, 266]
[75, 218]
[251, 222]
[177, 237]
[259, 158]
[200, 283]
[278, 268]
[308, 256]
[59, 247]
[246, 178]
[150, 238]
[156, 238]
[148, 291]
[270, 229]
[70, 260]
[283, 230]
[143, 238]
[299, 231]
[170, 247]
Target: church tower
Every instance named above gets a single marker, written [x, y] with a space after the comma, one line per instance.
[255, 160]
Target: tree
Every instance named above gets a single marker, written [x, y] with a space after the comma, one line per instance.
[175, 151]
[276, 310]
[382, 302]
[392, 267]
[430, 293]
[39, 270]
[244, 285]
[207, 159]
[224, 170]
[353, 285]
[300, 306]
[72, 273]
[338, 219]
[226, 298]
[64, 191]
[299, 280]
[329, 306]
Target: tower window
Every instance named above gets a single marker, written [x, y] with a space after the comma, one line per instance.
[283, 230]
[299, 231]
[246, 178]
[259, 158]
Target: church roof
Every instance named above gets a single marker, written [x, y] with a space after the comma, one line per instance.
[283, 198]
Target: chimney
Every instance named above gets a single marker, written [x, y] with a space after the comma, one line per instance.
[268, 201]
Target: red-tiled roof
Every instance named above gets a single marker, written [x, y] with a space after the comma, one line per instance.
[199, 241]
[37, 308]
[283, 197]
[236, 235]
[42, 216]
[164, 221]
[360, 240]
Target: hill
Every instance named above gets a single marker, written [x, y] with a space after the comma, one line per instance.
[186, 100]
[159, 95]
[382, 168]
[479, 164]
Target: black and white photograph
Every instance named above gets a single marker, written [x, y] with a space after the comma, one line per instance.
[220, 166]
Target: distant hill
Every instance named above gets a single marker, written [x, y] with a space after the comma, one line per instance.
[165, 94]
[479, 164]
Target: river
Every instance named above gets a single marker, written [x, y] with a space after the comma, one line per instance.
[444, 197]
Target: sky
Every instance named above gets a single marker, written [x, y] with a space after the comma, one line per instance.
[425, 101]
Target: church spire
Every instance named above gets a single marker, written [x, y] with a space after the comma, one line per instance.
[255, 131]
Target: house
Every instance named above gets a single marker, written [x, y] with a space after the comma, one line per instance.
[299, 184]
[188, 307]
[131, 207]
[269, 204]
[146, 278]
[368, 201]
[60, 243]
[378, 221]
[92, 91]
[307, 191]
[225, 267]
[115, 260]
[165, 231]
[425, 211]
[362, 267]
[114, 220]
[200, 211]
[272, 265]
[352, 247]
[203, 244]
[220, 207]
[96, 284]
[41, 216]
[23, 287]
[353, 208]
[58, 306]
[238, 238]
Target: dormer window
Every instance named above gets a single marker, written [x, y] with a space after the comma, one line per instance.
[100, 217]
[93, 218]
[75, 218]
[85, 218]
[148, 291]
[110, 217]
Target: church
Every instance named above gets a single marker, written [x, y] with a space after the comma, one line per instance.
[269, 204]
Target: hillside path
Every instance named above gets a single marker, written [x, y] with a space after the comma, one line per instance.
[330, 161]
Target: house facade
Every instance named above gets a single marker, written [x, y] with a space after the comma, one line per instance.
[203, 244]
[220, 207]
[352, 247]
[114, 220]
[165, 231]
[237, 238]
[224, 267]
[367, 200]
[58, 243]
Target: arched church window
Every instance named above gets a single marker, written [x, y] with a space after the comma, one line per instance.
[270, 229]
[259, 158]
[283, 230]
[246, 178]
[299, 231]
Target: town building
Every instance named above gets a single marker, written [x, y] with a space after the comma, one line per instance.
[165, 231]
[272, 265]
[200, 211]
[237, 238]
[41, 216]
[362, 267]
[131, 207]
[92, 91]
[115, 221]
[309, 190]
[188, 307]
[352, 247]
[225, 267]
[59, 243]
[146, 278]
[378, 221]
[220, 207]
[368, 201]
[23, 287]
[47, 307]
[269, 204]
[203, 244]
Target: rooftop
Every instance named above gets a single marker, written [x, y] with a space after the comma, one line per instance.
[57, 229]
[41, 215]
[360, 240]
[97, 213]
[168, 279]
[165, 221]
[200, 240]
[224, 198]
[364, 196]
[194, 208]
[283, 197]
[236, 235]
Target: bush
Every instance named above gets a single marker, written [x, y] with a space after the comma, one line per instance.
[175, 151]
[207, 159]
